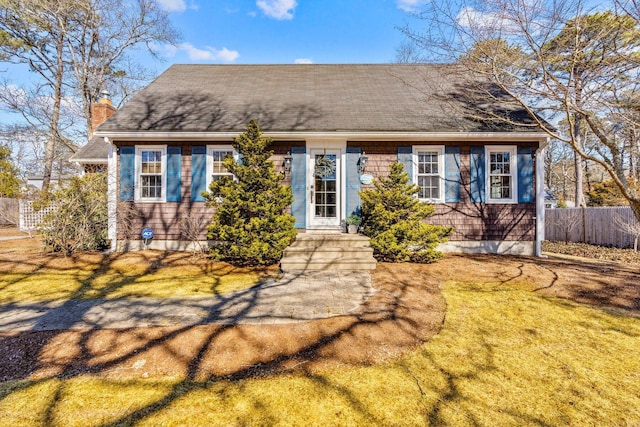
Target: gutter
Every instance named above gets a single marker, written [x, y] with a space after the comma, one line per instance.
[539, 137]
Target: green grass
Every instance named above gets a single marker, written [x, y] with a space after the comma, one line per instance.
[506, 356]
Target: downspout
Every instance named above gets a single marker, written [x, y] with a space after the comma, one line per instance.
[540, 212]
[112, 195]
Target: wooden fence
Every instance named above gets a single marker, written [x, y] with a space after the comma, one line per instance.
[9, 211]
[590, 225]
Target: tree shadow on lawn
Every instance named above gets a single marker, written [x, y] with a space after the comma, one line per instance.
[607, 285]
[398, 317]
[406, 310]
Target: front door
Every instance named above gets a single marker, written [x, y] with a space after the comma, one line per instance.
[324, 188]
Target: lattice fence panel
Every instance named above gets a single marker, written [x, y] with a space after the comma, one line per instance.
[30, 219]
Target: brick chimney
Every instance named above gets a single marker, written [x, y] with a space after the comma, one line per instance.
[101, 111]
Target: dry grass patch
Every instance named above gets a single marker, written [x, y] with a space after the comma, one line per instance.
[27, 275]
[509, 353]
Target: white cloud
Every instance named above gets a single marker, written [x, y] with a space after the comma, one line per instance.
[303, 61]
[207, 54]
[176, 5]
[196, 54]
[469, 17]
[410, 6]
[277, 9]
[173, 5]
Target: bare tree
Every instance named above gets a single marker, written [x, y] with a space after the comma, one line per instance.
[557, 60]
[630, 226]
[74, 47]
[566, 220]
[408, 53]
[99, 36]
[192, 228]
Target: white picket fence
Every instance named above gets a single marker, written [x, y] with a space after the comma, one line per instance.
[590, 225]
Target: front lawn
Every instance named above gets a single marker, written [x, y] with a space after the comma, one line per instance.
[524, 342]
[27, 275]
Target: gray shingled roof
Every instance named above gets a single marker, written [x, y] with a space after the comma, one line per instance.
[95, 151]
[358, 98]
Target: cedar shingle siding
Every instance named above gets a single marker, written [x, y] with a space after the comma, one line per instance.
[471, 221]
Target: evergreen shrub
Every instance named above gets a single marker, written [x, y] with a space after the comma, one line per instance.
[251, 225]
[394, 219]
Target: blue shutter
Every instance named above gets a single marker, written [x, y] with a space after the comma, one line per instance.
[127, 173]
[198, 172]
[452, 174]
[299, 185]
[477, 166]
[525, 175]
[405, 156]
[174, 173]
[353, 181]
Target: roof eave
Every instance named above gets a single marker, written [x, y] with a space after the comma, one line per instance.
[101, 161]
[329, 135]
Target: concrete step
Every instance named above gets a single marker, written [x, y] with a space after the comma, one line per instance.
[330, 252]
[297, 265]
[334, 253]
[331, 240]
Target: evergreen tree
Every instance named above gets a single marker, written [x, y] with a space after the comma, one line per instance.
[250, 225]
[9, 180]
[393, 217]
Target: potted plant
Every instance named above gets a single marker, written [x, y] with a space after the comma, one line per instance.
[353, 222]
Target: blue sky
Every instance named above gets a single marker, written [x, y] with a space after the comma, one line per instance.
[286, 31]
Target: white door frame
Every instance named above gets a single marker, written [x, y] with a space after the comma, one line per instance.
[318, 147]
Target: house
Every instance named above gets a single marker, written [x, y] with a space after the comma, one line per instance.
[94, 155]
[35, 182]
[167, 144]
[550, 200]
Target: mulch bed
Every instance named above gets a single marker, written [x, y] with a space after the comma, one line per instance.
[586, 250]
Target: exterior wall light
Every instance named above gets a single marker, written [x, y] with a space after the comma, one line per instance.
[286, 164]
[362, 162]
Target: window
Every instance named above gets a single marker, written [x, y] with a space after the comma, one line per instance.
[215, 157]
[151, 165]
[428, 164]
[501, 174]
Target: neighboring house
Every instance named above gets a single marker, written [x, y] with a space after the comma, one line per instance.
[35, 182]
[167, 144]
[550, 200]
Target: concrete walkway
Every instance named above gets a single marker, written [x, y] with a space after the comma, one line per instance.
[293, 298]
[2, 238]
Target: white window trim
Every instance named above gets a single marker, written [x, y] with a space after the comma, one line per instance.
[210, 150]
[138, 168]
[513, 151]
[441, 173]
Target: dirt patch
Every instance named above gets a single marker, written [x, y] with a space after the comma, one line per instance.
[406, 310]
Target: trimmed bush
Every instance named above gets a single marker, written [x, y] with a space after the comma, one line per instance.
[394, 219]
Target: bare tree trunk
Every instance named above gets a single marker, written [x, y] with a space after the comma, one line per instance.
[52, 140]
[579, 194]
[635, 154]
